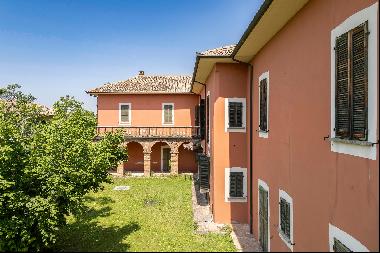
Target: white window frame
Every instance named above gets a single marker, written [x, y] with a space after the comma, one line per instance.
[162, 156]
[355, 149]
[287, 198]
[263, 76]
[128, 123]
[227, 128]
[227, 172]
[344, 238]
[266, 187]
[163, 114]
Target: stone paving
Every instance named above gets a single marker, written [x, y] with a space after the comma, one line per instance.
[243, 240]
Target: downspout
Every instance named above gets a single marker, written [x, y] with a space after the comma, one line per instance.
[250, 140]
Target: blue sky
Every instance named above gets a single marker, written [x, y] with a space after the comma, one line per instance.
[55, 48]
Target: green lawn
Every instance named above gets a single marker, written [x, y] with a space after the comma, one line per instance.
[154, 215]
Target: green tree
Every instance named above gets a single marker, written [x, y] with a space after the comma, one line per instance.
[46, 167]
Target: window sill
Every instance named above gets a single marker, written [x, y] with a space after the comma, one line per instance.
[237, 199]
[354, 142]
[285, 239]
[236, 129]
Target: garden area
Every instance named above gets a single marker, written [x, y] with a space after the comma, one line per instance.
[155, 214]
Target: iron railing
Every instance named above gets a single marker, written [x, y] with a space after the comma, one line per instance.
[151, 131]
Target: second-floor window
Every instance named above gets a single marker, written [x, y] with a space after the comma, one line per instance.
[235, 114]
[263, 125]
[351, 84]
[168, 114]
[125, 113]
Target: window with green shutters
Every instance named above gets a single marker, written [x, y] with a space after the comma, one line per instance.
[351, 85]
[235, 114]
[168, 113]
[340, 247]
[285, 218]
[236, 184]
[124, 113]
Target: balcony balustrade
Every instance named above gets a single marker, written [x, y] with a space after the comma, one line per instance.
[133, 132]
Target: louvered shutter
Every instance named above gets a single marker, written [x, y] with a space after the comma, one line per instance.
[263, 106]
[236, 184]
[342, 94]
[202, 119]
[235, 114]
[204, 172]
[285, 217]
[197, 115]
[359, 82]
[124, 114]
[351, 97]
[168, 114]
[340, 247]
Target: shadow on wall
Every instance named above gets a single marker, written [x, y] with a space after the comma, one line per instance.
[86, 235]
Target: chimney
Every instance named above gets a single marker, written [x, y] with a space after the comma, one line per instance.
[141, 72]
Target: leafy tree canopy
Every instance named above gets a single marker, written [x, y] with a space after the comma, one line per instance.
[47, 166]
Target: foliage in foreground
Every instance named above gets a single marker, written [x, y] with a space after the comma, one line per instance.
[46, 167]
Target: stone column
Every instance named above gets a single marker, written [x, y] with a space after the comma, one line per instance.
[174, 163]
[120, 168]
[147, 164]
[147, 149]
[174, 154]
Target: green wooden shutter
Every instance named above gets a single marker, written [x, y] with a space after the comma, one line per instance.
[168, 114]
[236, 184]
[124, 114]
[235, 114]
[285, 217]
[340, 247]
[359, 82]
[263, 106]
[202, 119]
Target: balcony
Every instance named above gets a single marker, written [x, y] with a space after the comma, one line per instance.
[151, 132]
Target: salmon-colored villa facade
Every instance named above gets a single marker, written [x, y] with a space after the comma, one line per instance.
[282, 128]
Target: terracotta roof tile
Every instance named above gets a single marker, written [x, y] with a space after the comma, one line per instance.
[220, 51]
[148, 84]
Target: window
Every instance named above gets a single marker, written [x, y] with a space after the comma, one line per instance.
[354, 94]
[286, 219]
[125, 113]
[236, 184]
[168, 114]
[340, 241]
[351, 87]
[235, 114]
[263, 104]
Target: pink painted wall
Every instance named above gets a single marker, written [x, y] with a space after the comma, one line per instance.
[147, 109]
[326, 187]
[227, 149]
[135, 157]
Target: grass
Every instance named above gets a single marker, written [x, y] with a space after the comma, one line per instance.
[154, 215]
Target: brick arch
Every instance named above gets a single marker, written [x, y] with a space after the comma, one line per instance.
[186, 158]
[135, 156]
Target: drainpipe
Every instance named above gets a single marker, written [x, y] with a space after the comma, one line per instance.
[250, 139]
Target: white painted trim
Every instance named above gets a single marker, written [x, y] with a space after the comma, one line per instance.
[346, 239]
[266, 187]
[227, 197]
[264, 75]
[128, 123]
[163, 113]
[356, 19]
[162, 156]
[208, 141]
[226, 115]
[287, 198]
